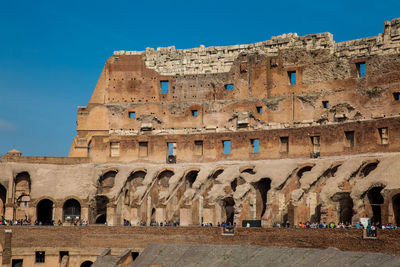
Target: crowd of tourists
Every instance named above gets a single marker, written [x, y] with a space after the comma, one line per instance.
[341, 225]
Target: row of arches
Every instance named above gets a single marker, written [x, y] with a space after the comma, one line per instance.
[44, 211]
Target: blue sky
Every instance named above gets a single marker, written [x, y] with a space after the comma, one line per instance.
[52, 52]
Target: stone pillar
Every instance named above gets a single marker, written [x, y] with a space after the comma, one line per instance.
[85, 213]
[200, 210]
[111, 216]
[9, 213]
[148, 208]
[57, 212]
[6, 257]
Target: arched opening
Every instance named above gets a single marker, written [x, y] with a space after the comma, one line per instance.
[101, 219]
[396, 208]
[248, 170]
[236, 182]
[86, 264]
[153, 215]
[346, 209]
[369, 168]
[191, 178]
[229, 205]
[106, 182]
[3, 197]
[375, 200]
[163, 178]
[136, 178]
[44, 212]
[303, 170]
[262, 188]
[100, 209]
[71, 210]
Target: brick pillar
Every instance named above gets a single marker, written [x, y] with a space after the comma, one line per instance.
[7, 248]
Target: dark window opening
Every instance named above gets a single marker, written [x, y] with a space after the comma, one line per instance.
[40, 257]
[396, 208]
[89, 148]
[134, 255]
[132, 115]
[229, 205]
[346, 209]
[164, 87]
[259, 109]
[349, 138]
[62, 254]
[194, 113]
[263, 186]
[17, 262]
[292, 77]
[44, 212]
[375, 200]
[325, 104]
[229, 87]
[284, 144]
[361, 69]
[71, 210]
[396, 96]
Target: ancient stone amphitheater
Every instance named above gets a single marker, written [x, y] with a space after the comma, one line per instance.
[293, 129]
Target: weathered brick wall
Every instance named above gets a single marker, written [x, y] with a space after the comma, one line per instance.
[140, 237]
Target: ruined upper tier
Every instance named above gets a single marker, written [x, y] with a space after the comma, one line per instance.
[288, 97]
[218, 59]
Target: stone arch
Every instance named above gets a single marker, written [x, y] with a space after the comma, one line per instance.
[22, 184]
[345, 210]
[164, 176]
[217, 172]
[86, 264]
[106, 181]
[71, 210]
[396, 208]
[137, 176]
[236, 182]
[36, 201]
[375, 200]
[190, 177]
[247, 169]
[229, 208]
[3, 199]
[262, 187]
[368, 167]
[44, 211]
[304, 168]
[99, 209]
[81, 202]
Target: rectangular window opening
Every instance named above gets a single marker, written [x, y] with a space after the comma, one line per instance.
[171, 148]
[227, 146]
[292, 77]
[284, 144]
[143, 149]
[325, 104]
[114, 149]
[349, 138]
[164, 87]
[62, 254]
[396, 96]
[361, 69]
[259, 109]
[132, 114]
[17, 262]
[255, 144]
[194, 113]
[198, 148]
[40, 256]
[229, 86]
[384, 135]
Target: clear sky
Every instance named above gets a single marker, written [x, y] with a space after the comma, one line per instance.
[52, 52]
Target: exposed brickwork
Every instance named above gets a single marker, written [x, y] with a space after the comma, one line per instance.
[140, 237]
